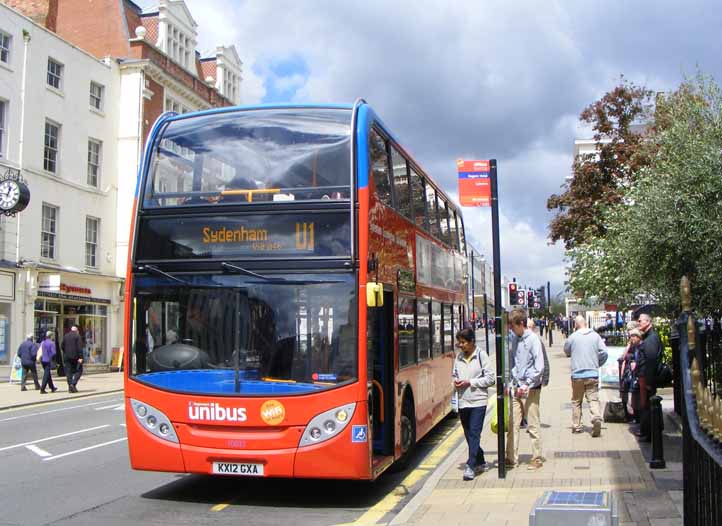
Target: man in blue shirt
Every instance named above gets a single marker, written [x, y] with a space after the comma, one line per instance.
[527, 361]
[588, 352]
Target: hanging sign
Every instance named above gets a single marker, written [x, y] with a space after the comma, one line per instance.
[474, 182]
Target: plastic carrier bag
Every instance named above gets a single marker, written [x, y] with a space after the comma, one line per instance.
[491, 408]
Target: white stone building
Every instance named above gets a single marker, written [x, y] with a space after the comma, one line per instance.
[58, 122]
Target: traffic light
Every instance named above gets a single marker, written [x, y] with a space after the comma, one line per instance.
[542, 295]
[513, 299]
[530, 298]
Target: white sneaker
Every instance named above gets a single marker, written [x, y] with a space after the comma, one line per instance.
[597, 428]
[468, 473]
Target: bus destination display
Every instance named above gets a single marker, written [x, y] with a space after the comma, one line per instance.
[273, 235]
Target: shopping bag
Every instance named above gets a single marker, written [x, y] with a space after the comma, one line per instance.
[494, 415]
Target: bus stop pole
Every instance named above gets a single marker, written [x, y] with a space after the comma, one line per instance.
[497, 322]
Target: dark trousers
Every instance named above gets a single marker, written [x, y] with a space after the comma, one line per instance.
[472, 420]
[73, 370]
[47, 377]
[29, 369]
[646, 392]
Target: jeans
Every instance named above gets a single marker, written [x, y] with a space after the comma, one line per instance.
[472, 420]
[47, 377]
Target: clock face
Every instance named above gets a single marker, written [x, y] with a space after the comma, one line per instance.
[9, 194]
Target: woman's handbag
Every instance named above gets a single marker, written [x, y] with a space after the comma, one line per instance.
[664, 374]
[614, 413]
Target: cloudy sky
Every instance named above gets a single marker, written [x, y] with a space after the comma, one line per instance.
[502, 79]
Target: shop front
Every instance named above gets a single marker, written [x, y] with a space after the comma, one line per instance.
[59, 311]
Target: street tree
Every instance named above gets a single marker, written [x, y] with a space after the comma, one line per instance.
[667, 224]
[599, 179]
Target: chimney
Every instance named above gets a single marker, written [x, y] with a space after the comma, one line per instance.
[43, 12]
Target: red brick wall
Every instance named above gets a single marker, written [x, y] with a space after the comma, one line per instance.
[43, 12]
[97, 26]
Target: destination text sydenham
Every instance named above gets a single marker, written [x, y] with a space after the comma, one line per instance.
[234, 235]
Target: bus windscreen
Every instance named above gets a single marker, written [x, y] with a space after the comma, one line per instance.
[226, 334]
[249, 156]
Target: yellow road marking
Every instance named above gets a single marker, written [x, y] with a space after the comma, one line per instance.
[220, 507]
[390, 501]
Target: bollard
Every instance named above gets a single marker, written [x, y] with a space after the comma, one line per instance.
[657, 461]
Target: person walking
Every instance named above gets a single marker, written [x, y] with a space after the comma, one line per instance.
[649, 353]
[27, 352]
[588, 352]
[527, 366]
[72, 347]
[48, 352]
[472, 378]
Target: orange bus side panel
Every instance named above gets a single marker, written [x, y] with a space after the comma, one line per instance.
[156, 454]
[276, 462]
[339, 457]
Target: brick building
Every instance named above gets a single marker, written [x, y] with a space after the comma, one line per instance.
[153, 66]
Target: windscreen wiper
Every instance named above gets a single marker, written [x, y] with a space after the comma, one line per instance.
[285, 281]
[247, 272]
[159, 272]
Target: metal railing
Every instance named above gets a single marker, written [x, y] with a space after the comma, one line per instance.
[699, 361]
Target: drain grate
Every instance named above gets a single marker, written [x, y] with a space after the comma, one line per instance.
[586, 454]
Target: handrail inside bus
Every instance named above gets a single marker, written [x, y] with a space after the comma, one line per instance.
[249, 192]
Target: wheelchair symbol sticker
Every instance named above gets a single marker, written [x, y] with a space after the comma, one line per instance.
[358, 434]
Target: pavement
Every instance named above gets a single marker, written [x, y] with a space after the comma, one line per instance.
[89, 385]
[615, 462]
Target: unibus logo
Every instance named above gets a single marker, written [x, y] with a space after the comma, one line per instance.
[215, 412]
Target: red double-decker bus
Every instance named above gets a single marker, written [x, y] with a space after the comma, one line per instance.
[294, 285]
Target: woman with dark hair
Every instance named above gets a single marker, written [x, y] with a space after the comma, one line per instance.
[472, 378]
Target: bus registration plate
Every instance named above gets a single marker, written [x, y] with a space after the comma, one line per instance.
[235, 468]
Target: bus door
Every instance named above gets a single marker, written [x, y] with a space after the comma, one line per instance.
[381, 373]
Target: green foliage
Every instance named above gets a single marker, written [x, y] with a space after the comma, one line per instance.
[667, 223]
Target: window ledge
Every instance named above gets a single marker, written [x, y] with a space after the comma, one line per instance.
[58, 92]
[95, 110]
[6, 66]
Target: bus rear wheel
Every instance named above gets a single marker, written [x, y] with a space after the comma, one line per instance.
[408, 432]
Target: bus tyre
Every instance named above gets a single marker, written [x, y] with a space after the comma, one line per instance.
[408, 433]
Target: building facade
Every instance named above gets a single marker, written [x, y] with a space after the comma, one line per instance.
[81, 85]
[57, 257]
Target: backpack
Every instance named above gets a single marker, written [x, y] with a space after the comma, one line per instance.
[545, 372]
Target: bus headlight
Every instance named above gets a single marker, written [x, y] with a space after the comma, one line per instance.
[327, 425]
[153, 421]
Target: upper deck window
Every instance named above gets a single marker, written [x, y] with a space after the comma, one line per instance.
[292, 154]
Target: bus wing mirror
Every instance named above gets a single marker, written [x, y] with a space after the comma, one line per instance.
[374, 295]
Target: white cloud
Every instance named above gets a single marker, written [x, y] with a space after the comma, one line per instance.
[493, 79]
